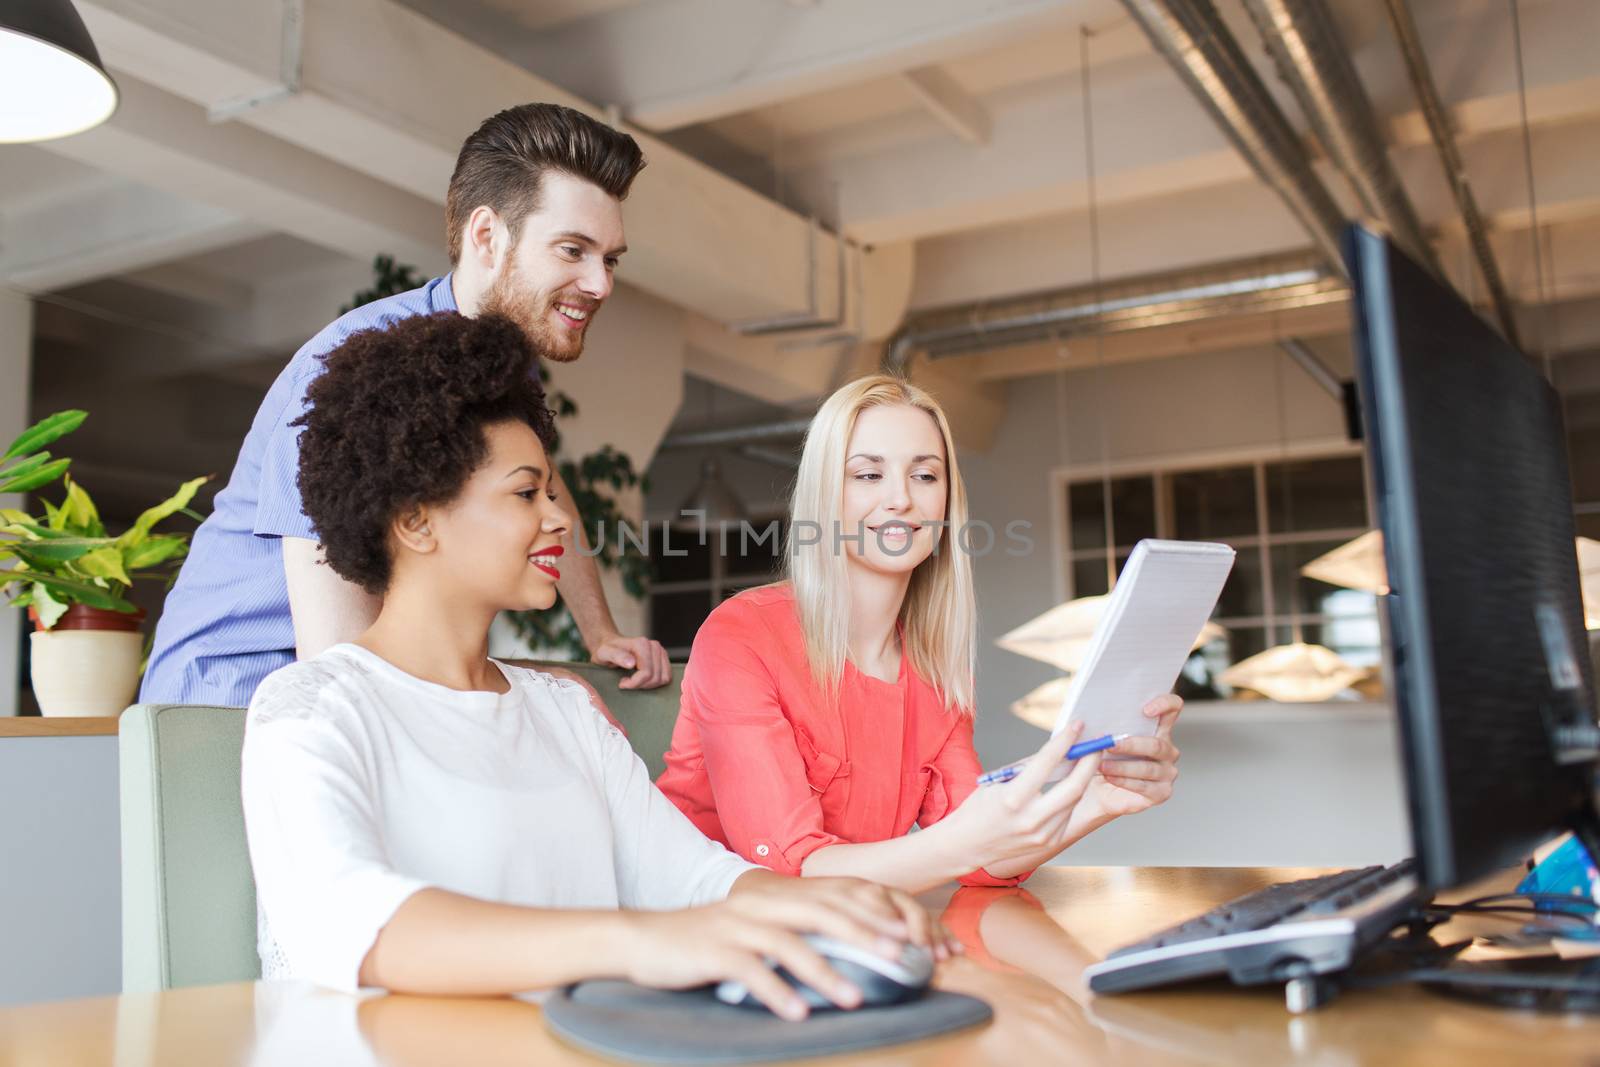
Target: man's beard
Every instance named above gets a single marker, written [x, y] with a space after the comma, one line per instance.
[554, 343]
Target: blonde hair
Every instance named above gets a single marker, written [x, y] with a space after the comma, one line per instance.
[939, 616]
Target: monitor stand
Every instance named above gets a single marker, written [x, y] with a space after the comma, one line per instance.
[1530, 983]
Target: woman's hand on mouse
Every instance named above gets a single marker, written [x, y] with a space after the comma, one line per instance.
[876, 917]
[696, 946]
[763, 919]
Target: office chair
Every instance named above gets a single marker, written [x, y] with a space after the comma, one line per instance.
[188, 896]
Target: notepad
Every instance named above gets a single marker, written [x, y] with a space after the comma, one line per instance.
[1165, 594]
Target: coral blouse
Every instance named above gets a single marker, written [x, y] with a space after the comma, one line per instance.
[761, 763]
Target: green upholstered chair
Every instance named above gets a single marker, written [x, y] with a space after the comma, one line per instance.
[188, 898]
[647, 715]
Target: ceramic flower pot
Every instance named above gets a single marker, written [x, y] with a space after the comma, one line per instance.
[88, 663]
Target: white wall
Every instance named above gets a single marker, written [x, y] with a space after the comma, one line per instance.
[16, 364]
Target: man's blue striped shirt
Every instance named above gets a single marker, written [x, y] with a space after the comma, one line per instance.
[226, 624]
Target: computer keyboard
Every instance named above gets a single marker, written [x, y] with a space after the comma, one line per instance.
[1284, 931]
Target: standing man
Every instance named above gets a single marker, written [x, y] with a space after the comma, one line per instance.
[534, 223]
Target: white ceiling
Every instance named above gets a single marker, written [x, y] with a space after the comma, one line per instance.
[250, 224]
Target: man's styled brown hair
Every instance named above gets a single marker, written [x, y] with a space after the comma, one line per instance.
[502, 164]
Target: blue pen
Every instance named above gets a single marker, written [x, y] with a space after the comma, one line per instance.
[1077, 751]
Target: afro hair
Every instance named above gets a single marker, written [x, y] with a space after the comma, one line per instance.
[396, 420]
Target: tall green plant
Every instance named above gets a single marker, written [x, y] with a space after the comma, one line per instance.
[593, 480]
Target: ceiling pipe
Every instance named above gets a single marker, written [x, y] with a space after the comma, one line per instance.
[1206, 57]
[737, 435]
[1312, 60]
[1315, 369]
[1252, 288]
[1455, 169]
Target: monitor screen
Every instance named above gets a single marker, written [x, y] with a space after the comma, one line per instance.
[1468, 464]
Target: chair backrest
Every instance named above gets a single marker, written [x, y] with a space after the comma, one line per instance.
[188, 896]
[648, 715]
[188, 899]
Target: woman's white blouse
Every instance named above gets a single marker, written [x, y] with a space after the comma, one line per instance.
[362, 785]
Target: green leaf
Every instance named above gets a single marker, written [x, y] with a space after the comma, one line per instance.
[13, 515]
[104, 563]
[43, 555]
[55, 518]
[155, 550]
[79, 509]
[25, 466]
[41, 532]
[47, 607]
[176, 502]
[22, 600]
[70, 590]
[45, 431]
[42, 476]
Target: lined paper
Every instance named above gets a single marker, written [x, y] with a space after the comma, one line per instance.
[1165, 594]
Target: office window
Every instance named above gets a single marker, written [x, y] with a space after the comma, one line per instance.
[1278, 514]
[691, 574]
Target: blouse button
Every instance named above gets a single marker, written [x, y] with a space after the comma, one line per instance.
[762, 850]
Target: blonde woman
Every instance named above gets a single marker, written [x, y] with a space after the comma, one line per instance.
[824, 716]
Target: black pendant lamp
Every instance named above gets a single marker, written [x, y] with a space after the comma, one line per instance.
[52, 83]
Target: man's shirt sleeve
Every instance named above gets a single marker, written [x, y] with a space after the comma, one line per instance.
[278, 509]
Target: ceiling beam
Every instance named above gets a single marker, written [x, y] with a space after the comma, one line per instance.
[675, 63]
[947, 101]
[110, 229]
[165, 141]
[698, 239]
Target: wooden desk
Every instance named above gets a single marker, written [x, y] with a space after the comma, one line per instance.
[1024, 960]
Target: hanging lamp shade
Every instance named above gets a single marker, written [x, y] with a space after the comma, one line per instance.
[1061, 636]
[713, 502]
[1358, 564]
[1294, 673]
[1589, 580]
[1042, 706]
[52, 82]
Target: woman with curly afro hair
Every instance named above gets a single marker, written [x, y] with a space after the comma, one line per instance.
[426, 819]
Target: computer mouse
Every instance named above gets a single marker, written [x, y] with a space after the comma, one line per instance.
[881, 981]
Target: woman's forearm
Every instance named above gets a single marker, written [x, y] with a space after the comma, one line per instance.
[445, 943]
[914, 862]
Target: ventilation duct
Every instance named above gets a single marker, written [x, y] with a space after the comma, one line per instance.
[1244, 289]
[1206, 57]
[1311, 58]
[1455, 169]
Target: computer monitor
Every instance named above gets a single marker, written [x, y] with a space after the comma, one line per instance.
[1492, 681]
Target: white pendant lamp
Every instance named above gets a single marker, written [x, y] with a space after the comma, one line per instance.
[713, 502]
[1358, 564]
[1061, 636]
[1589, 580]
[1042, 707]
[1296, 673]
[52, 82]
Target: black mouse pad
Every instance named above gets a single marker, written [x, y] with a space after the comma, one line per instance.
[629, 1022]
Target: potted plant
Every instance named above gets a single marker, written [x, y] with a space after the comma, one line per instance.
[73, 577]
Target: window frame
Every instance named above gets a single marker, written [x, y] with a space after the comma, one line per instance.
[719, 585]
[1262, 540]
